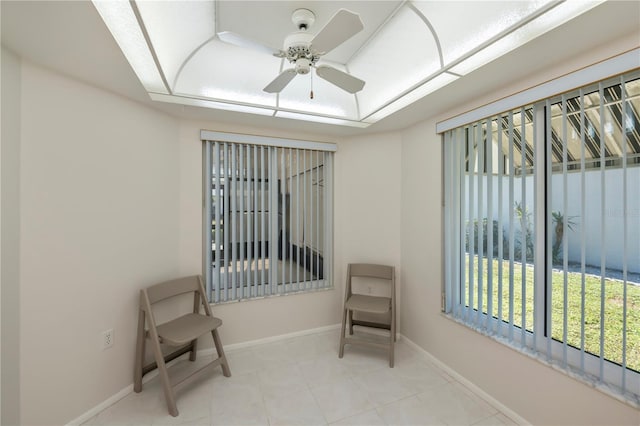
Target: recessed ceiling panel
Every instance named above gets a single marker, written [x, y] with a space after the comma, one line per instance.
[414, 95]
[402, 54]
[405, 50]
[462, 26]
[129, 36]
[558, 15]
[225, 72]
[327, 98]
[166, 23]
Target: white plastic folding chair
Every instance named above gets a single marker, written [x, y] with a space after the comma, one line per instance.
[365, 303]
[181, 332]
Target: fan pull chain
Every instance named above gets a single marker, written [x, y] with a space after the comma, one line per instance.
[311, 93]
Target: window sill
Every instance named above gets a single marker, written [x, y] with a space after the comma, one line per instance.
[270, 296]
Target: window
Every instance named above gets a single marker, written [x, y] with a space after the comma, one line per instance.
[268, 216]
[542, 230]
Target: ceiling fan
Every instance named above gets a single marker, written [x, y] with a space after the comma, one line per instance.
[303, 50]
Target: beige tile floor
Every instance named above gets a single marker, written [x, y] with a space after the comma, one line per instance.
[301, 381]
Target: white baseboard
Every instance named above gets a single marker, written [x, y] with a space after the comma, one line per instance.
[205, 352]
[281, 337]
[468, 384]
[103, 405]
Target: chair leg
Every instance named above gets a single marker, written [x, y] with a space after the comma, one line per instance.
[342, 333]
[351, 322]
[395, 335]
[140, 345]
[392, 339]
[223, 358]
[194, 348]
[164, 376]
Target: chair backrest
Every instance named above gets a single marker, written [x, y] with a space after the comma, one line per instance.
[369, 270]
[172, 288]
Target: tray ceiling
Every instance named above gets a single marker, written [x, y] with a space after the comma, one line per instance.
[407, 50]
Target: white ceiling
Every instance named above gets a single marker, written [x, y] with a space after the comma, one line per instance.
[71, 38]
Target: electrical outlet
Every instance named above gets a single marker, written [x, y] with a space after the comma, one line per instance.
[107, 339]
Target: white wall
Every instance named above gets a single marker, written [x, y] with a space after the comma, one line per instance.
[367, 204]
[10, 237]
[613, 213]
[538, 393]
[591, 223]
[99, 220]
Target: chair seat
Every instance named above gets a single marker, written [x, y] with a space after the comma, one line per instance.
[372, 304]
[186, 328]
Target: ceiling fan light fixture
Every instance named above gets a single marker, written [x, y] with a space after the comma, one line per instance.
[303, 66]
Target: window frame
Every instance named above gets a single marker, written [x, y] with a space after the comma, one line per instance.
[272, 147]
[538, 344]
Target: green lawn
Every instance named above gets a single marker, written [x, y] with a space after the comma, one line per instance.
[613, 308]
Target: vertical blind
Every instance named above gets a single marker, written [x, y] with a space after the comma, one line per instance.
[268, 219]
[542, 230]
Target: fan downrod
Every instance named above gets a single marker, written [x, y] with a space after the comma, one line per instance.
[303, 19]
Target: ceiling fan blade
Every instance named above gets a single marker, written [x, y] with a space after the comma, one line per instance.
[341, 79]
[281, 81]
[238, 40]
[340, 28]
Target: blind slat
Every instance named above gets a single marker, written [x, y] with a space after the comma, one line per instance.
[207, 258]
[283, 221]
[290, 224]
[500, 224]
[626, 126]
[234, 222]
[565, 235]
[298, 234]
[242, 284]
[523, 226]
[273, 219]
[304, 227]
[256, 221]
[464, 155]
[489, 157]
[603, 229]
[511, 224]
[218, 192]
[318, 219]
[549, 258]
[263, 223]
[583, 231]
[480, 145]
[472, 206]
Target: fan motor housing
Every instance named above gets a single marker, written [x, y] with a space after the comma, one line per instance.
[298, 40]
[303, 66]
[297, 47]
